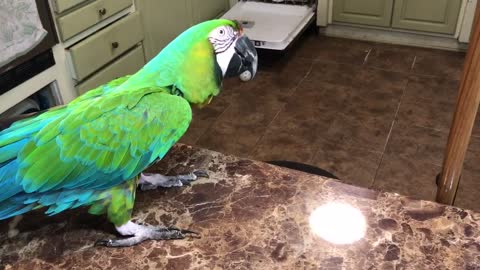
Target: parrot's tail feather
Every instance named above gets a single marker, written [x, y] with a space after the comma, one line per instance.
[8, 185]
[54, 202]
[9, 209]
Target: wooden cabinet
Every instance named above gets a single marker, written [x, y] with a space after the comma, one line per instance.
[203, 10]
[89, 15]
[163, 20]
[105, 45]
[370, 12]
[439, 16]
[127, 64]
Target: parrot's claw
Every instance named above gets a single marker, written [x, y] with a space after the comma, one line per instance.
[201, 173]
[143, 233]
[152, 181]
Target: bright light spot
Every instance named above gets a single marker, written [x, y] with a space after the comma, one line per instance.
[338, 223]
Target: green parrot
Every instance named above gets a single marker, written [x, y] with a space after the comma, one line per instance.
[92, 151]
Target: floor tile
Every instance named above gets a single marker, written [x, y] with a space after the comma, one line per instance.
[431, 88]
[407, 176]
[467, 193]
[417, 143]
[294, 133]
[358, 77]
[353, 165]
[388, 81]
[433, 114]
[241, 125]
[391, 59]
[333, 50]
[334, 73]
[360, 132]
[440, 63]
[278, 143]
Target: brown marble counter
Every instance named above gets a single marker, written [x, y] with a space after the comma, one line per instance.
[251, 216]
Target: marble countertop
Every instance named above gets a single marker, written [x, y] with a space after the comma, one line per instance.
[250, 215]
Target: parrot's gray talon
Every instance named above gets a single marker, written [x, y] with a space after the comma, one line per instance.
[152, 181]
[147, 186]
[103, 243]
[142, 233]
[201, 173]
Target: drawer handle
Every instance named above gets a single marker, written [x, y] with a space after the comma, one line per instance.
[102, 11]
[115, 44]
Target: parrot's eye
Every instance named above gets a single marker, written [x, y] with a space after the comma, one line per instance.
[221, 38]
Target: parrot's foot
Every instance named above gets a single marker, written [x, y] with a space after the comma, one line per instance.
[152, 181]
[140, 233]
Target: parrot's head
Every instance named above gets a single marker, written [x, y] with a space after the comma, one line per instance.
[202, 56]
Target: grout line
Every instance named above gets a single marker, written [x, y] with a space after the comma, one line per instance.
[366, 56]
[294, 89]
[389, 135]
[413, 63]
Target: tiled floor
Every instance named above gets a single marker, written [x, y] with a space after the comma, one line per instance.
[376, 115]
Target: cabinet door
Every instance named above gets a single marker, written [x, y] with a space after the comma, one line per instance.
[439, 16]
[163, 20]
[371, 12]
[208, 9]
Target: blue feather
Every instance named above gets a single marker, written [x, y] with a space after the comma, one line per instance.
[8, 184]
[10, 209]
[10, 151]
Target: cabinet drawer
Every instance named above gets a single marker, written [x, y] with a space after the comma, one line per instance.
[128, 64]
[104, 46]
[89, 15]
[61, 5]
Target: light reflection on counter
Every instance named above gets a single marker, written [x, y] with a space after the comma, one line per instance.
[338, 223]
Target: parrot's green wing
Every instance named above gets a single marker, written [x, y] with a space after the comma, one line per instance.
[101, 90]
[89, 151]
[103, 142]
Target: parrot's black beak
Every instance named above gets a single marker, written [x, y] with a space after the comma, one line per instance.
[244, 60]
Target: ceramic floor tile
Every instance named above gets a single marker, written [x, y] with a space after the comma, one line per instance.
[350, 164]
[417, 143]
[433, 114]
[467, 193]
[407, 176]
[333, 49]
[472, 159]
[293, 134]
[362, 116]
[201, 122]
[203, 118]
[334, 73]
[242, 124]
[388, 81]
[391, 59]
[286, 67]
[362, 132]
[431, 88]
[359, 77]
[347, 100]
[440, 63]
